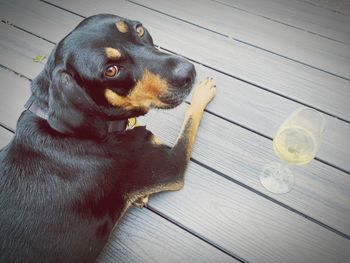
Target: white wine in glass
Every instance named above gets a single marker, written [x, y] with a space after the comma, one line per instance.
[296, 143]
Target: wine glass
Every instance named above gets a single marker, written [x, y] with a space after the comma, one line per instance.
[296, 143]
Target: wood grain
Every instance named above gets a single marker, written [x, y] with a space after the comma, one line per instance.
[311, 49]
[142, 236]
[256, 66]
[17, 54]
[300, 15]
[258, 230]
[241, 155]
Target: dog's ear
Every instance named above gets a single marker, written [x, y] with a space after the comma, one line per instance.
[71, 111]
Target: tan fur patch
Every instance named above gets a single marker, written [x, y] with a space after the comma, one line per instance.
[156, 140]
[142, 201]
[189, 128]
[131, 198]
[122, 26]
[145, 193]
[112, 53]
[144, 95]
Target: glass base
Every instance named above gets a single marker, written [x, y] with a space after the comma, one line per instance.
[277, 178]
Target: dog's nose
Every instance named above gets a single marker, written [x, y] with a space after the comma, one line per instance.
[183, 74]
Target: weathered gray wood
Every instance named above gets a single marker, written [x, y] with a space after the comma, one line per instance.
[5, 135]
[258, 230]
[256, 66]
[13, 96]
[300, 15]
[337, 6]
[311, 49]
[142, 236]
[241, 155]
[238, 219]
[38, 18]
[18, 55]
[236, 100]
[321, 192]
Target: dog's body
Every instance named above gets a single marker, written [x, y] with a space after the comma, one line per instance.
[65, 180]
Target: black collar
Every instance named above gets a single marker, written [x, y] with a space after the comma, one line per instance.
[113, 126]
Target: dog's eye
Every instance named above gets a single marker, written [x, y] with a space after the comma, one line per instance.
[140, 31]
[111, 71]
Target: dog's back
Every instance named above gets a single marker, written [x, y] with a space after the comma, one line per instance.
[59, 194]
[42, 183]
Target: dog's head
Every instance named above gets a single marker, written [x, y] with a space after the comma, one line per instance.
[107, 68]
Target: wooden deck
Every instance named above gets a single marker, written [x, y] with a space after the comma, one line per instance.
[268, 58]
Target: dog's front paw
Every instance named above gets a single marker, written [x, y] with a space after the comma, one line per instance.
[203, 93]
[141, 201]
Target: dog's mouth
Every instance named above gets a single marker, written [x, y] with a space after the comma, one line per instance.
[179, 84]
[175, 95]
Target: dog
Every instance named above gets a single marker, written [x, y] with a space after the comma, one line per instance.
[72, 168]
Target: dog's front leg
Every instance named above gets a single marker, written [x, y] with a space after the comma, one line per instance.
[203, 94]
[180, 154]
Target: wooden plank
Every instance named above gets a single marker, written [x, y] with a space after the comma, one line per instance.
[282, 76]
[258, 230]
[33, 15]
[264, 113]
[14, 48]
[233, 217]
[5, 135]
[142, 236]
[337, 6]
[13, 96]
[321, 192]
[298, 14]
[311, 49]
[241, 155]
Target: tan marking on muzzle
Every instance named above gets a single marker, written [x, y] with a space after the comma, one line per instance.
[112, 53]
[144, 95]
[122, 26]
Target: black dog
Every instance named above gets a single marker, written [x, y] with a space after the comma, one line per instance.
[69, 175]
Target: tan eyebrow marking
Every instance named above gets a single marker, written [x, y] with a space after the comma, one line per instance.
[112, 53]
[122, 26]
